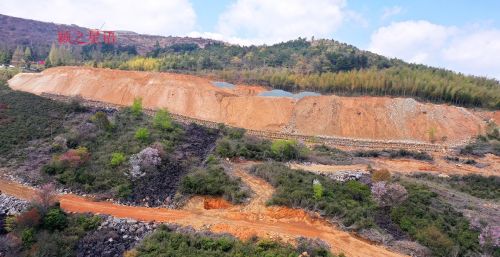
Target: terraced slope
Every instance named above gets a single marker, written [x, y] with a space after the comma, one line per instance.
[376, 118]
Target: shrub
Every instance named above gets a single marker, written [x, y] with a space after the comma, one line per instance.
[388, 194]
[235, 133]
[55, 219]
[75, 157]
[213, 181]
[318, 189]
[88, 222]
[45, 197]
[286, 149]
[136, 107]
[117, 159]
[489, 239]
[164, 242]
[437, 241]
[381, 175]
[28, 237]
[142, 134]
[54, 167]
[433, 223]
[146, 160]
[350, 201]
[100, 119]
[28, 219]
[162, 120]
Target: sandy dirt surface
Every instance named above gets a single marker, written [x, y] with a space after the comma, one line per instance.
[438, 166]
[242, 221]
[381, 118]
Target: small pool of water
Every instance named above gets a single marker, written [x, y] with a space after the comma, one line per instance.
[222, 84]
[283, 93]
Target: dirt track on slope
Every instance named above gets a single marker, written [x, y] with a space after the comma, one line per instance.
[376, 118]
[438, 166]
[242, 221]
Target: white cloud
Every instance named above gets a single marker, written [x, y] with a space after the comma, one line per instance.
[410, 40]
[471, 50]
[263, 21]
[172, 17]
[391, 11]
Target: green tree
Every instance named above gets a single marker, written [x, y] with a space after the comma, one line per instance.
[117, 159]
[142, 134]
[136, 107]
[28, 56]
[54, 55]
[318, 189]
[17, 57]
[55, 219]
[162, 120]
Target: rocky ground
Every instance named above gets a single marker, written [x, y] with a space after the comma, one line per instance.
[11, 206]
[113, 237]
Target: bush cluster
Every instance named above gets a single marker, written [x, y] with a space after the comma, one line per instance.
[351, 202]
[214, 181]
[435, 224]
[234, 143]
[486, 187]
[165, 242]
[402, 153]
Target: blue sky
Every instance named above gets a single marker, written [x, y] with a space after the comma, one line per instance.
[459, 35]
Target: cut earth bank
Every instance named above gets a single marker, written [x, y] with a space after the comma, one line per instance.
[376, 118]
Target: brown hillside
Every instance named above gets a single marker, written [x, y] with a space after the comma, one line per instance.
[354, 117]
[40, 35]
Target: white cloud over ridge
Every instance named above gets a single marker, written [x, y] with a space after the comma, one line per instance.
[264, 21]
[172, 17]
[470, 50]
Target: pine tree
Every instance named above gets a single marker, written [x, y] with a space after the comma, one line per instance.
[27, 54]
[54, 56]
[17, 57]
[27, 57]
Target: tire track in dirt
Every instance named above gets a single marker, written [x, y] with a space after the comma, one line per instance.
[242, 221]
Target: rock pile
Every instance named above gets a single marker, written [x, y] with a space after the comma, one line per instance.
[344, 175]
[11, 205]
[113, 237]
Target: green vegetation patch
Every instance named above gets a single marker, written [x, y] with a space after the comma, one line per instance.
[20, 122]
[435, 224]
[486, 187]
[214, 181]
[351, 201]
[165, 242]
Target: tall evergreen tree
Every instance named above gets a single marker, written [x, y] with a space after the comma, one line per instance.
[17, 57]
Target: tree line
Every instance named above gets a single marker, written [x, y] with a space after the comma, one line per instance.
[324, 66]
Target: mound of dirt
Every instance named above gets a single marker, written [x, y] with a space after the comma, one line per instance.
[381, 118]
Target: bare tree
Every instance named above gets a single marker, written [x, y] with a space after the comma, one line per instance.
[45, 197]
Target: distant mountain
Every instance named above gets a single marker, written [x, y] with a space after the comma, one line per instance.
[40, 35]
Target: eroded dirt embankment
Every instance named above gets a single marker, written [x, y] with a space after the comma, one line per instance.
[242, 221]
[379, 118]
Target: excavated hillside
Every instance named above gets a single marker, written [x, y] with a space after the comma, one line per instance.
[379, 118]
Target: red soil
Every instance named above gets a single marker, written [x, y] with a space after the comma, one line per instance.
[355, 117]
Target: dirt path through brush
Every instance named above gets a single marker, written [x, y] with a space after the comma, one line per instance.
[242, 221]
[403, 165]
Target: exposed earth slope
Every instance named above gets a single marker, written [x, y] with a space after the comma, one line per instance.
[380, 118]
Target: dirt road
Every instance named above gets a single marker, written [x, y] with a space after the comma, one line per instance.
[242, 221]
[438, 166]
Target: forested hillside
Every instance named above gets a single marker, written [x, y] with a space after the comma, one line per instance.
[324, 66]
